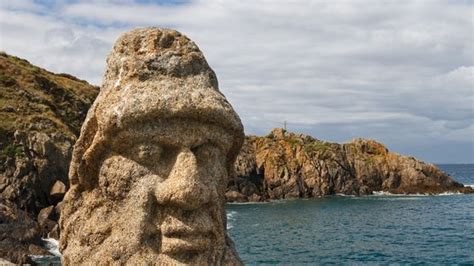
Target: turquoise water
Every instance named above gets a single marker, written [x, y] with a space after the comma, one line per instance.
[373, 229]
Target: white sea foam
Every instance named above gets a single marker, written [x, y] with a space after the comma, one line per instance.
[253, 202]
[230, 218]
[52, 245]
[37, 258]
[344, 195]
[449, 193]
[385, 193]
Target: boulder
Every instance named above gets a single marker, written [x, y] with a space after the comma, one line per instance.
[57, 191]
[38, 250]
[235, 196]
[45, 214]
[5, 262]
[54, 232]
[150, 168]
[47, 218]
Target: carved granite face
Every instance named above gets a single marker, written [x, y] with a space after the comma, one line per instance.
[149, 170]
[160, 198]
[177, 180]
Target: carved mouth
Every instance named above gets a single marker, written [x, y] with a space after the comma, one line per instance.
[185, 233]
[190, 237]
[179, 242]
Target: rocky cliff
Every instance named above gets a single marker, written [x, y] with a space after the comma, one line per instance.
[285, 165]
[41, 116]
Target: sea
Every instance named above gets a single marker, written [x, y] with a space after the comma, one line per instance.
[374, 230]
[368, 230]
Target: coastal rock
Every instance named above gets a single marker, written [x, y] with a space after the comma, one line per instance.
[36, 140]
[286, 165]
[54, 233]
[47, 220]
[235, 196]
[5, 262]
[41, 115]
[46, 214]
[18, 230]
[57, 191]
[150, 168]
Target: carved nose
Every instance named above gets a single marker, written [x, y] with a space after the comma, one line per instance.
[185, 187]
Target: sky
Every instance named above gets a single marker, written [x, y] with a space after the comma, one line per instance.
[400, 72]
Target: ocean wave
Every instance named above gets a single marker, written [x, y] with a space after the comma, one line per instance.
[470, 185]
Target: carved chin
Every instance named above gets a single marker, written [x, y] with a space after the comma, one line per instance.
[195, 250]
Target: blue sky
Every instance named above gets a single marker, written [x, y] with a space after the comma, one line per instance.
[400, 72]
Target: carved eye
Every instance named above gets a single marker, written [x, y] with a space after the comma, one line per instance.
[206, 151]
[149, 152]
[212, 162]
[155, 157]
[145, 153]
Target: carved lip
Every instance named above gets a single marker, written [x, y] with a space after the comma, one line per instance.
[199, 225]
[178, 241]
[186, 236]
[187, 231]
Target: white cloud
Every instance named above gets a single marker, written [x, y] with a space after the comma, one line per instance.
[400, 72]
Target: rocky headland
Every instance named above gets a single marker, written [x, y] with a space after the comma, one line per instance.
[285, 165]
[41, 116]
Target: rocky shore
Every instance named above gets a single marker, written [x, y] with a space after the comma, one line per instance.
[284, 165]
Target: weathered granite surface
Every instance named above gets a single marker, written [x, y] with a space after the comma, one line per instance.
[149, 170]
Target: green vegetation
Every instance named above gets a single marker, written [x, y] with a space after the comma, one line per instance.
[13, 150]
[32, 98]
[370, 160]
[317, 147]
[293, 142]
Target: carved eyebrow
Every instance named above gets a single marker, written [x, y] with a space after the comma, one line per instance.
[159, 134]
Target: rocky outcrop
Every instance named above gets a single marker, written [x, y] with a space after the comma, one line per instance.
[286, 165]
[150, 168]
[41, 115]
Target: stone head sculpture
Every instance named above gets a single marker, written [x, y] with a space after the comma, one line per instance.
[150, 167]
